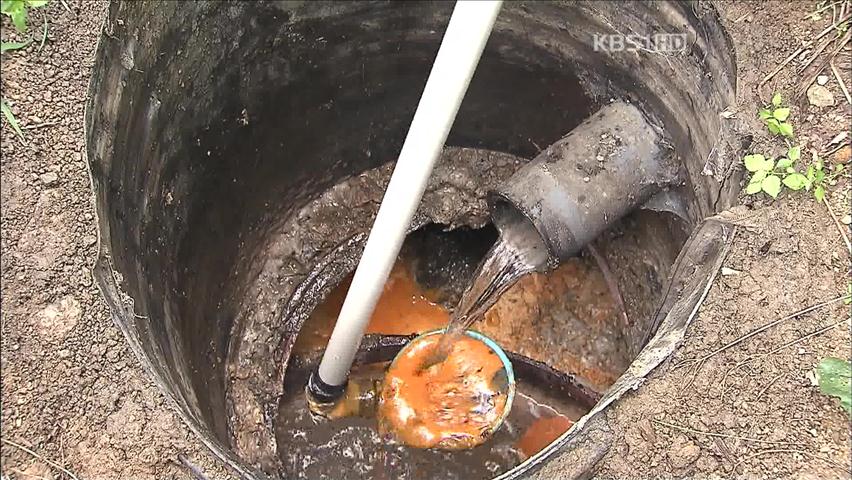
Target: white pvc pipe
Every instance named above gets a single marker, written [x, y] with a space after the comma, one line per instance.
[461, 47]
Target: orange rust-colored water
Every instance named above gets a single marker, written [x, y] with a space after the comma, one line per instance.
[403, 309]
[542, 433]
[450, 405]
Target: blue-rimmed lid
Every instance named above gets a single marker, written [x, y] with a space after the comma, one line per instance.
[492, 345]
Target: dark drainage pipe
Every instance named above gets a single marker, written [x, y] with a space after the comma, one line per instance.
[609, 165]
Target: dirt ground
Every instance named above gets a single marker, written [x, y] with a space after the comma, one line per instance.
[751, 411]
[74, 396]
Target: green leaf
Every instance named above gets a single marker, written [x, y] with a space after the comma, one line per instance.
[754, 162]
[810, 173]
[36, 3]
[771, 185]
[752, 188]
[20, 20]
[834, 377]
[786, 129]
[9, 46]
[794, 153]
[819, 175]
[795, 181]
[781, 114]
[758, 176]
[838, 167]
[819, 193]
[784, 162]
[768, 164]
[764, 114]
[8, 6]
[790, 170]
[776, 99]
[773, 126]
[10, 117]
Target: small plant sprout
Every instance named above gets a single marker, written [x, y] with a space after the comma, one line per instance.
[4, 108]
[771, 176]
[10, 46]
[10, 117]
[817, 176]
[768, 175]
[834, 377]
[775, 117]
[17, 11]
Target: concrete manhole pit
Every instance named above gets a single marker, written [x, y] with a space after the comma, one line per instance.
[239, 154]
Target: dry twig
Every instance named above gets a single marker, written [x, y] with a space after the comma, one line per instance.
[768, 385]
[769, 325]
[719, 435]
[805, 337]
[840, 82]
[751, 358]
[801, 49]
[609, 278]
[812, 78]
[194, 470]
[785, 63]
[839, 226]
[39, 125]
[790, 450]
[701, 360]
[45, 460]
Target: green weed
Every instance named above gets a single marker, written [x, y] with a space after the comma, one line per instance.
[775, 117]
[10, 117]
[7, 112]
[770, 176]
[17, 11]
[834, 377]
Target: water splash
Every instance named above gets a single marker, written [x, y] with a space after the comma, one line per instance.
[518, 251]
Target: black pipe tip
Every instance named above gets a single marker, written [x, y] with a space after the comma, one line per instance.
[322, 392]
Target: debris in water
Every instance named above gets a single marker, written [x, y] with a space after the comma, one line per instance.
[455, 404]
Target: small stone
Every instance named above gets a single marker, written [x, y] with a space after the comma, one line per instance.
[646, 430]
[90, 240]
[57, 319]
[684, 456]
[820, 96]
[707, 464]
[36, 119]
[729, 271]
[586, 179]
[846, 220]
[843, 155]
[822, 79]
[49, 178]
[113, 355]
[86, 279]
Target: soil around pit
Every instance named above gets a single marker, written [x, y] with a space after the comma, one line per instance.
[73, 393]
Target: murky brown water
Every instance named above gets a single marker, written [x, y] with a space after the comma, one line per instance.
[352, 446]
[403, 309]
[319, 449]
